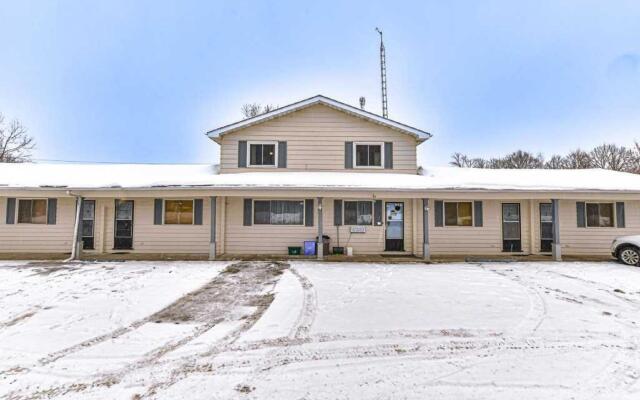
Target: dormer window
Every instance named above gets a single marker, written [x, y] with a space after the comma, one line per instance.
[262, 154]
[368, 155]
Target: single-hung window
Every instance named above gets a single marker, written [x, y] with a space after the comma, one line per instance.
[262, 154]
[358, 213]
[178, 212]
[368, 154]
[33, 211]
[600, 215]
[278, 212]
[458, 213]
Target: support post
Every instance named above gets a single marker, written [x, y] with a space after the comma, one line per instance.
[320, 244]
[556, 247]
[212, 237]
[76, 251]
[426, 251]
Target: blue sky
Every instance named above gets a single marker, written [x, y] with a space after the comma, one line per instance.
[142, 81]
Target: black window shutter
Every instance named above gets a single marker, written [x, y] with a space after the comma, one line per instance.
[388, 155]
[348, 155]
[248, 211]
[197, 212]
[580, 214]
[52, 211]
[11, 211]
[377, 212]
[282, 154]
[477, 213]
[438, 213]
[242, 154]
[308, 212]
[620, 222]
[157, 211]
[337, 212]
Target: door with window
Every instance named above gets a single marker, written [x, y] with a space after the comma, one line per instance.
[123, 232]
[394, 230]
[546, 227]
[511, 235]
[88, 224]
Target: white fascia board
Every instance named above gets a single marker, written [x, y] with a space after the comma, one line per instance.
[319, 99]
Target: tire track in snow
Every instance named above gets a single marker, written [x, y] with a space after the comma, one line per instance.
[304, 321]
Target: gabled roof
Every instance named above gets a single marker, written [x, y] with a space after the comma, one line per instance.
[420, 135]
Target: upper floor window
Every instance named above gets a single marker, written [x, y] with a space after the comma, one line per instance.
[262, 154]
[32, 211]
[368, 155]
[178, 212]
[600, 215]
[458, 213]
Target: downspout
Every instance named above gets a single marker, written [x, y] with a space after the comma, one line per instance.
[76, 227]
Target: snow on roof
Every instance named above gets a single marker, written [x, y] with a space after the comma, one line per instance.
[319, 99]
[146, 176]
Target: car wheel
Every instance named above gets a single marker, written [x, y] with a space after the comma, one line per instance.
[629, 255]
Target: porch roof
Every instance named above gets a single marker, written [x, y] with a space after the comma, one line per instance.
[158, 176]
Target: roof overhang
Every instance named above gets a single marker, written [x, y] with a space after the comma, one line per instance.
[420, 135]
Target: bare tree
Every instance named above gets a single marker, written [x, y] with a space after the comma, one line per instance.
[251, 110]
[522, 159]
[460, 160]
[610, 156]
[578, 159]
[15, 144]
[555, 162]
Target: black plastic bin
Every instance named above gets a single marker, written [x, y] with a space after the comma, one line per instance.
[326, 244]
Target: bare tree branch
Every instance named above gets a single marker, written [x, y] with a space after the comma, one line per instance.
[251, 110]
[15, 144]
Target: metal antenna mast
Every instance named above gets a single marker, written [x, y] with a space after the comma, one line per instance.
[383, 76]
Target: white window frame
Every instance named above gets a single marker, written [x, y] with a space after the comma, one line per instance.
[344, 213]
[46, 213]
[193, 211]
[444, 214]
[304, 212]
[275, 158]
[355, 158]
[614, 216]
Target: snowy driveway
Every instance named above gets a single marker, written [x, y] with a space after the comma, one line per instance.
[321, 331]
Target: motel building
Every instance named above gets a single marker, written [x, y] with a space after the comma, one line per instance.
[314, 172]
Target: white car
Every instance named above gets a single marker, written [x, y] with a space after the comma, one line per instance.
[627, 249]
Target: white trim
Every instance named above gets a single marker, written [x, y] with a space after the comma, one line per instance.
[46, 211]
[275, 155]
[356, 166]
[193, 211]
[319, 99]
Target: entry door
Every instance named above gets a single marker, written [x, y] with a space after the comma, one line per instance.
[511, 239]
[123, 232]
[394, 231]
[88, 224]
[546, 227]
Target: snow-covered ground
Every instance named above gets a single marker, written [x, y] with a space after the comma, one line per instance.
[320, 331]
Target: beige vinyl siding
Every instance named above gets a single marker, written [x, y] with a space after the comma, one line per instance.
[316, 138]
[150, 238]
[593, 241]
[472, 240]
[275, 239]
[38, 238]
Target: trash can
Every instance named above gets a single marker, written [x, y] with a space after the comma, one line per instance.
[309, 248]
[326, 242]
[294, 251]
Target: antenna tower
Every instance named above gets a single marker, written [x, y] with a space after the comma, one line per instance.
[383, 76]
